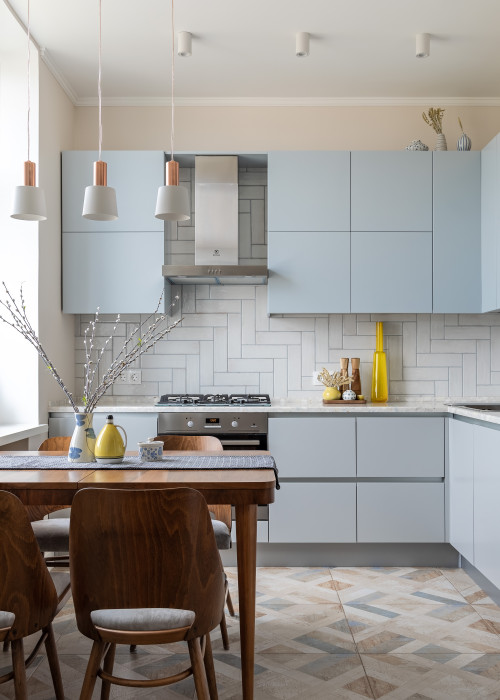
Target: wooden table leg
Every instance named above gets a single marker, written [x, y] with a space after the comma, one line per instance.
[246, 550]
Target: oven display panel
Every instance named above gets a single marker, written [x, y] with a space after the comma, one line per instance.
[212, 422]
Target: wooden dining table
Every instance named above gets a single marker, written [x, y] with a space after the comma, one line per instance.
[245, 489]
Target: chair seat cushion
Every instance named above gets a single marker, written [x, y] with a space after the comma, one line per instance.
[52, 534]
[6, 619]
[222, 534]
[142, 619]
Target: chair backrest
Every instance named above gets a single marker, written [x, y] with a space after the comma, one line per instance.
[191, 442]
[55, 443]
[26, 588]
[144, 549]
[199, 442]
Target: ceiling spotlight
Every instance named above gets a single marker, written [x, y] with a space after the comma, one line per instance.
[423, 45]
[184, 44]
[302, 44]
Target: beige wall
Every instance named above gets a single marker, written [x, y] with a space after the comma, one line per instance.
[267, 128]
[56, 329]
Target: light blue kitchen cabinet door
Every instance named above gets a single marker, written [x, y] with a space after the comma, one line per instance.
[400, 447]
[308, 191]
[461, 487]
[391, 272]
[302, 446]
[457, 232]
[308, 272]
[391, 191]
[135, 175]
[486, 502]
[117, 271]
[313, 513]
[401, 512]
[490, 219]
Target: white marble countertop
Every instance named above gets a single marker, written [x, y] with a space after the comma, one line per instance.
[127, 404]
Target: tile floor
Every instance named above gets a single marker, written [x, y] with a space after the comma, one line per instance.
[328, 633]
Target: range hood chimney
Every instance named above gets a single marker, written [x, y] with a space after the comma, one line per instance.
[216, 229]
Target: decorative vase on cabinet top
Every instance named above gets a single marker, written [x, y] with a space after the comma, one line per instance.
[380, 392]
[331, 393]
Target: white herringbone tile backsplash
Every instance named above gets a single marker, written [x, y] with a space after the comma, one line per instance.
[228, 343]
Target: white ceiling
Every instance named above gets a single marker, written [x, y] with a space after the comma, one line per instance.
[244, 50]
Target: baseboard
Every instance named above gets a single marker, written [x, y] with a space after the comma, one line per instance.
[438, 555]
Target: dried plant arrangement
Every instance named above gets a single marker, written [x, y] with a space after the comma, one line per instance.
[336, 379]
[434, 118]
[142, 338]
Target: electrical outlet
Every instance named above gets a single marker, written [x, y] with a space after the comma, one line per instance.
[315, 380]
[134, 376]
[129, 376]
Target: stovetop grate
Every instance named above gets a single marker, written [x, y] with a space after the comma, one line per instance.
[214, 400]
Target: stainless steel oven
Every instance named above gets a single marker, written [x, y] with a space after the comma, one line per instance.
[236, 430]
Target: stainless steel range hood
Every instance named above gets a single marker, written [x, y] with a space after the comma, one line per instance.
[216, 229]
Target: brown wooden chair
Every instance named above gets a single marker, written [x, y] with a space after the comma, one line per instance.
[52, 534]
[221, 521]
[30, 597]
[145, 569]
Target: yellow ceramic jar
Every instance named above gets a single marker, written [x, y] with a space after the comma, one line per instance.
[331, 393]
[109, 446]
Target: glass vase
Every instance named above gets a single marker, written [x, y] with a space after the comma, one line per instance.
[380, 392]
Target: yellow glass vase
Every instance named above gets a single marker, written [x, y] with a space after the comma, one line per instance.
[380, 392]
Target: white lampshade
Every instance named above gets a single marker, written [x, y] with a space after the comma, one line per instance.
[99, 203]
[172, 203]
[184, 44]
[29, 203]
[302, 44]
[423, 45]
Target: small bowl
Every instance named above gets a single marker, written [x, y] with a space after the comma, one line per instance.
[150, 451]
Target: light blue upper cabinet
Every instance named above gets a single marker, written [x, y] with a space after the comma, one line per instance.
[490, 193]
[308, 191]
[135, 175]
[391, 191]
[308, 272]
[117, 271]
[457, 232]
[391, 272]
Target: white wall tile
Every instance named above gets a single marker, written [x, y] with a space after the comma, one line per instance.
[228, 379]
[335, 334]
[495, 349]
[308, 362]
[439, 360]
[425, 373]
[483, 361]
[443, 346]
[291, 323]
[275, 338]
[294, 380]
[213, 306]
[232, 291]
[234, 335]
[395, 356]
[423, 333]
[273, 351]
[280, 378]
[247, 365]
[248, 321]
[467, 332]
[409, 344]
[321, 340]
[192, 373]
[437, 326]
[220, 349]
[206, 363]
[455, 383]
[469, 386]
[441, 389]
[350, 324]
[261, 317]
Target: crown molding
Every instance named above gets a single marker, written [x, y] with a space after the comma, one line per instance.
[47, 59]
[290, 101]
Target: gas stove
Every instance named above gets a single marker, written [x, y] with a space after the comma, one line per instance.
[214, 400]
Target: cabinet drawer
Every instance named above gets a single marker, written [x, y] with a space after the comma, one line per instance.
[313, 446]
[400, 447]
[401, 512]
[313, 513]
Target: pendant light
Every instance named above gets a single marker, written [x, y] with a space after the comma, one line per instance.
[29, 200]
[99, 203]
[172, 203]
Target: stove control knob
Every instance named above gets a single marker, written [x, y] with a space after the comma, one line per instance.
[190, 424]
[234, 424]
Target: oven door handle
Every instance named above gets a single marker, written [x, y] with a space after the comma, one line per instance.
[241, 442]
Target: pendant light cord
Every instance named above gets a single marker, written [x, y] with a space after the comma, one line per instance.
[29, 94]
[99, 93]
[172, 93]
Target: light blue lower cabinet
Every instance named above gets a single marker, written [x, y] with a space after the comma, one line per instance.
[487, 502]
[401, 512]
[461, 487]
[308, 512]
[391, 272]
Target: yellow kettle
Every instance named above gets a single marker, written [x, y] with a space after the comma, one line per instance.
[109, 446]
